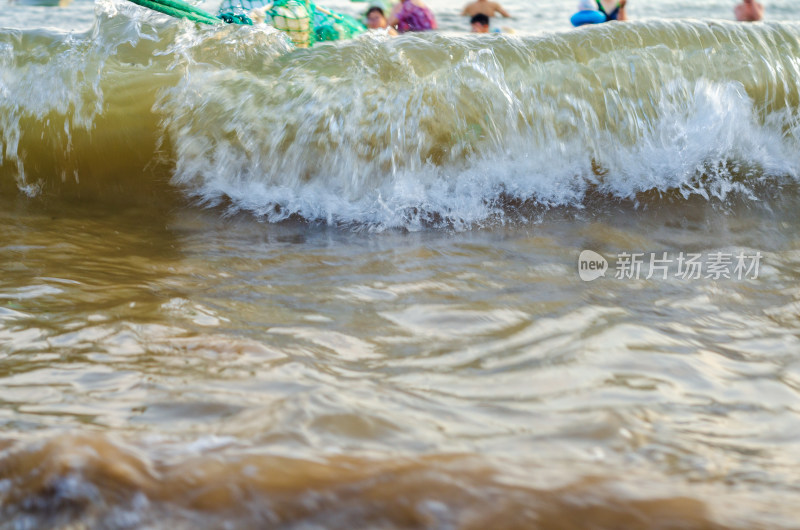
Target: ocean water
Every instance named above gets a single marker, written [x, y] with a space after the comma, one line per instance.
[246, 286]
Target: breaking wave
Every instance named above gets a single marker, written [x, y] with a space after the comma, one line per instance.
[415, 131]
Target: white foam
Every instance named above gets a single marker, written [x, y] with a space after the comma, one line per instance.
[360, 151]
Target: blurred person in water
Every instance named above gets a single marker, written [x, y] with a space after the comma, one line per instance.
[484, 7]
[377, 20]
[749, 11]
[412, 15]
[479, 23]
[613, 9]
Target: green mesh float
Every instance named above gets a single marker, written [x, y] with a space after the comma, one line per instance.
[329, 25]
[303, 21]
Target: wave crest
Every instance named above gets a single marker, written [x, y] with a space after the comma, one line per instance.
[418, 130]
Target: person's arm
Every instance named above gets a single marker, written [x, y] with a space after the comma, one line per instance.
[502, 11]
[465, 11]
[622, 16]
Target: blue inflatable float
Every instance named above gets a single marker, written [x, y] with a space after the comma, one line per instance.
[587, 17]
[589, 12]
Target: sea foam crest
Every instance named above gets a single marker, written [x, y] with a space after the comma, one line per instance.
[440, 130]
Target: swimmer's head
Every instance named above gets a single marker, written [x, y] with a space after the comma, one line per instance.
[375, 18]
[479, 23]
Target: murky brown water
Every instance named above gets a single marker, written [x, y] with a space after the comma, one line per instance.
[174, 367]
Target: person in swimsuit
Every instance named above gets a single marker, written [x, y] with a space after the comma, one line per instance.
[412, 15]
[484, 7]
[617, 12]
[749, 11]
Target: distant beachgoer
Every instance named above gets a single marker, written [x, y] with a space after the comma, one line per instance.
[613, 10]
[484, 7]
[749, 11]
[479, 23]
[412, 15]
[587, 14]
[377, 20]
